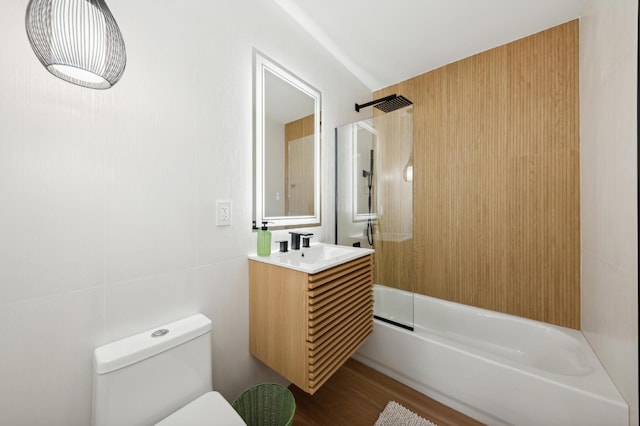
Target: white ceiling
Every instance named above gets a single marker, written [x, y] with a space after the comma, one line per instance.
[384, 42]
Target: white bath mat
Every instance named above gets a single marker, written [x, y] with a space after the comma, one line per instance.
[395, 414]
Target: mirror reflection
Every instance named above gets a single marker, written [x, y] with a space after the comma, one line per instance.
[365, 148]
[287, 147]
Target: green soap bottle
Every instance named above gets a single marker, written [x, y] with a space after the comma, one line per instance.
[264, 241]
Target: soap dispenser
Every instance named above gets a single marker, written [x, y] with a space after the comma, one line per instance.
[264, 240]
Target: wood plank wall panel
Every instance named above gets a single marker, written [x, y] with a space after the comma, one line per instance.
[496, 178]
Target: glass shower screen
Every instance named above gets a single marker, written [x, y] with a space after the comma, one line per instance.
[374, 205]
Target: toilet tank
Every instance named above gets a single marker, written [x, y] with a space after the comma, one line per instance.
[141, 379]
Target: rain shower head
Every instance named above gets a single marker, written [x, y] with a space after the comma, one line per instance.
[387, 104]
[394, 104]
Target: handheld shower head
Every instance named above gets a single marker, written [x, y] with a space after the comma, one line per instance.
[369, 173]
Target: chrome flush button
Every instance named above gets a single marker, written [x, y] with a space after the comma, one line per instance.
[159, 333]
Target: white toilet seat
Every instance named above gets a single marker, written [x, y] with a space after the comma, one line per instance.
[207, 410]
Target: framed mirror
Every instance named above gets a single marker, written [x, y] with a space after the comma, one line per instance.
[286, 146]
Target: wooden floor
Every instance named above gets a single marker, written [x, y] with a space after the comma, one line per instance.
[356, 395]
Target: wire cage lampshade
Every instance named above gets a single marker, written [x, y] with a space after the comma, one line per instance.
[77, 40]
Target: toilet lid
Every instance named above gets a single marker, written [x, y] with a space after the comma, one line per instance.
[209, 409]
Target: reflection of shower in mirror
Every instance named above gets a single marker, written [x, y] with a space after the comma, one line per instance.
[369, 175]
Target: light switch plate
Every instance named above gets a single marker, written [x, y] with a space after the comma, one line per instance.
[223, 213]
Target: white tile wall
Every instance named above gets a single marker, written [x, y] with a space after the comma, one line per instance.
[152, 299]
[107, 198]
[608, 179]
[46, 364]
[225, 288]
[51, 221]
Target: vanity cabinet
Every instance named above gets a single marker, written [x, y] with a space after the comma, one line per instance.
[305, 326]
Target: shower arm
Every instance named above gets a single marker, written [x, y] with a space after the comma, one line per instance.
[377, 101]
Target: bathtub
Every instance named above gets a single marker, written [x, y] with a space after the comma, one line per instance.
[497, 368]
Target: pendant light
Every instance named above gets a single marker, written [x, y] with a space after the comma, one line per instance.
[77, 40]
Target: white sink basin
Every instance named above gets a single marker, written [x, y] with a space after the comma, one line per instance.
[313, 259]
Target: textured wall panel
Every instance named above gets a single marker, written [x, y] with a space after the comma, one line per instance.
[496, 178]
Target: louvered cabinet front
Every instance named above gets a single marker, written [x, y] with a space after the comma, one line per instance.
[340, 302]
[305, 326]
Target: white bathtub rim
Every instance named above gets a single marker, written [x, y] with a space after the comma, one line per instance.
[587, 364]
[432, 393]
[404, 370]
[571, 338]
[583, 384]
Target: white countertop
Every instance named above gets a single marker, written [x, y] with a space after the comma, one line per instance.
[318, 257]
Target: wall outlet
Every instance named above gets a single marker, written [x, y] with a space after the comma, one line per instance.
[223, 213]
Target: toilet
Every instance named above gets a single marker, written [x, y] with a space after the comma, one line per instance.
[161, 376]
